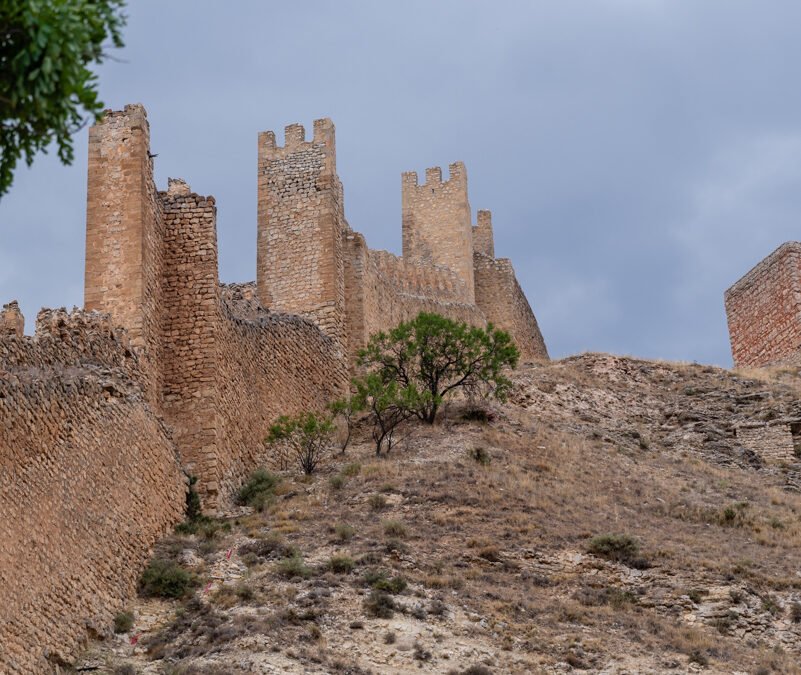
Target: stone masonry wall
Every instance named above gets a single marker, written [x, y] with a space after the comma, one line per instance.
[437, 226]
[299, 266]
[191, 329]
[764, 311]
[772, 442]
[503, 302]
[269, 365]
[124, 235]
[90, 480]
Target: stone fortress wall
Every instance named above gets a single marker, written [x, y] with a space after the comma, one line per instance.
[168, 373]
[90, 479]
[764, 311]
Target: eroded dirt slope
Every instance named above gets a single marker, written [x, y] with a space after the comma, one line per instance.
[469, 548]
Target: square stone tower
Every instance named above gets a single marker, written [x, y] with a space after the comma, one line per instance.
[437, 227]
[299, 266]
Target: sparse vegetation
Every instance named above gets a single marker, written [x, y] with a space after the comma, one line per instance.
[480, 455]
[259, 490]
[620, 548]
[341, 564]
[344, 532]
[379, 604]
[394, 528]
[293, 568]
[165, 579]
[123, 622]
[307, 438]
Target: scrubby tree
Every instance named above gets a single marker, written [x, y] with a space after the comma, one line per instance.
[346, 409]
[47, 90]
[308, 437]
[388, 405]
[432, 356]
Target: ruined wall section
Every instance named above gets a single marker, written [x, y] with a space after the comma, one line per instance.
[437, 227]
[270, 364]
[124, 235]
[12, 323]
[764, 311]
[90, 480]
[503, 302]
[300, 268]
[191, 332]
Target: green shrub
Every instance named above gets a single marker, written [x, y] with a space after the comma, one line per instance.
[341, 564]
[165, 579]
[380, 605]
[307, 436]
[344, 532]
[620, 548]
[123, 622]
[379, 581]
[352, 469]
[733, 515]
[431, 357]
[337, 482]
[394, 528]
[293, 568]
[480, 455]
[377, 502]
[259, 490]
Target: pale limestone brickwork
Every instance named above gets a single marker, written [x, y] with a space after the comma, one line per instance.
[764, 311]
[772, 441]
[168, 373]
[89, 480]
[436, 221]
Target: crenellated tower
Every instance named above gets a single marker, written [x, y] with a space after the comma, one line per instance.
[299, 266]
[437, 227]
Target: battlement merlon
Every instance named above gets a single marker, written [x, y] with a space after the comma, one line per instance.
[483, 237]
[324, 136]
[12, 322]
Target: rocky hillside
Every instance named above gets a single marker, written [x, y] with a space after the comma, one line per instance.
[606, 519]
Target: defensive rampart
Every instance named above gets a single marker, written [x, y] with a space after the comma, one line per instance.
[168, 373]
[90, 480]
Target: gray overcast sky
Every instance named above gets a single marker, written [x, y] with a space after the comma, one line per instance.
[638, 155]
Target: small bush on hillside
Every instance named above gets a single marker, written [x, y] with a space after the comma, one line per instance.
[733, 515]
[293, 568]
[352, 469]
[346, 409]
[480, 455]
[394, 528]
[269, 548]
[379, 581]
[795, 612]
[307, 437]
[337, 482]
[341, 564]
[123, 622]
[377, 502]
[620, 548]
[259, 490]
[388, 404]
[344, 532]
[380, 605]
[165, 579]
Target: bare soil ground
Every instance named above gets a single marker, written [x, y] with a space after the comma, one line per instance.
[468, 548]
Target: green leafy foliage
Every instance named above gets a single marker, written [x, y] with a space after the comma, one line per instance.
[388, 405]
[432, 356]
[259, 490]
[47, 91]
[165, 579]
[307, 437]
[346, 409]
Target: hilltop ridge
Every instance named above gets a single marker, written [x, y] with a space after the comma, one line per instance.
[612, 517]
